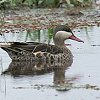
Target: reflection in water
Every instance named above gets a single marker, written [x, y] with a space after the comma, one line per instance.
[44, 35]
[87, 34]
[39, 68]
[30, 34]
[59, 76]
[33, 68]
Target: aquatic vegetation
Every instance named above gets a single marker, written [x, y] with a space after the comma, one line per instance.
[4, 4]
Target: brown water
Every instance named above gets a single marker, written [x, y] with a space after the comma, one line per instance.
[82, 78]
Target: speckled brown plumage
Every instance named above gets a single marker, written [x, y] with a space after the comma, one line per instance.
[35, 51]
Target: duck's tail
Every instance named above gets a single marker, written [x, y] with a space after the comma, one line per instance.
[18, 53]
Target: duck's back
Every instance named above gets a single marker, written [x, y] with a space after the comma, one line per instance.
[30, 51]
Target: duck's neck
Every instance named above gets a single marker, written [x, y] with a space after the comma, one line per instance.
[59, 43]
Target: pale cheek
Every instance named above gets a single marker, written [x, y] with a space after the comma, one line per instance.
[66, 36]
[63, 35]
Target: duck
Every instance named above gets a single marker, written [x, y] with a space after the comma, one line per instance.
[34, 51]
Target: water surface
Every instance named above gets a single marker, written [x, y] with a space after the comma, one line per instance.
[83, 72]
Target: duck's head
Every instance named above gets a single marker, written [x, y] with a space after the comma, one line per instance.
[62, 33]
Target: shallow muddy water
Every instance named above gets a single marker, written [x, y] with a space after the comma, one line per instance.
[81, 79]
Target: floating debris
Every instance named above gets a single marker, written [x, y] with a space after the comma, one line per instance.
[95, 45]
[64, 87]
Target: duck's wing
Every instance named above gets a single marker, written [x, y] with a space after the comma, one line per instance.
[32, 47]
[19, 48]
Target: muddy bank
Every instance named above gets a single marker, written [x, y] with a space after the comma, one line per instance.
[35, 19]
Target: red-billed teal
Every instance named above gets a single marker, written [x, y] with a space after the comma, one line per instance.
[33, 51]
